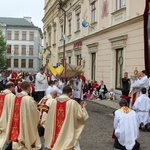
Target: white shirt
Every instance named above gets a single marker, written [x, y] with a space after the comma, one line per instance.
[49, 90]
[41, 82]
[143, 82]
[142, 108]
[55, 88]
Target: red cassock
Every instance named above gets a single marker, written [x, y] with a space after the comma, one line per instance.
[19, 89]
[13, 77]
[83, 78]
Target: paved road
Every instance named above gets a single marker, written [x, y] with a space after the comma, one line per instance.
[98, 130]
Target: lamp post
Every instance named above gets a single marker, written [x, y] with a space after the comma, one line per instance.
[64, 41]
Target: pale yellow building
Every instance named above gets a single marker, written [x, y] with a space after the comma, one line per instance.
[111, 45]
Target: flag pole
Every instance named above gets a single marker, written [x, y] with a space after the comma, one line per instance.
[64, 41]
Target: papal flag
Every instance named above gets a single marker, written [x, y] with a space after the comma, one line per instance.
[40, 55]
[63, 37]
[85, 24]
[46, 52]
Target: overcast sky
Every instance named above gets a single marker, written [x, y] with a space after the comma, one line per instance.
[23, 8]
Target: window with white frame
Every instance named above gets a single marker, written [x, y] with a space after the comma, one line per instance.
[49, 35]
[93, 65]
[78, 60]
[61, 28]
[69, 26]
[119, 68]
[119, 4]
[54, 35]
[93, 11]
[69, 59]
[78, 21]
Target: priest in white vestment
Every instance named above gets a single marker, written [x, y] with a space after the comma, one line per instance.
[136, 86]
[143, 82]
[65, 122]
[142, 108]
[126, 127]
[78, 91]
[6, 105]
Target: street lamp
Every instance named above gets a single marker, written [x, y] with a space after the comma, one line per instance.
[64, 42]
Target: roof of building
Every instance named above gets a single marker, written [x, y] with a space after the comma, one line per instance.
[17, 22]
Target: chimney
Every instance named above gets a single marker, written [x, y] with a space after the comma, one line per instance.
[28, 19]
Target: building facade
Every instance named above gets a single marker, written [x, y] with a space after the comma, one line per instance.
[112, 44]
[23, 43]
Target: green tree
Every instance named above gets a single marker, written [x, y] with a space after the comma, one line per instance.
[3, 58]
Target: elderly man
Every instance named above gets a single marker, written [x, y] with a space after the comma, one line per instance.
[126, 128]
[65, 122]
[24, 121]
[6, 105]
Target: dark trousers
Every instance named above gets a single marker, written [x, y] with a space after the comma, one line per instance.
[40, 95]
[119, 146]
[125, 93]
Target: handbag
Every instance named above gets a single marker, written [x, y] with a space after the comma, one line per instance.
[7, 146]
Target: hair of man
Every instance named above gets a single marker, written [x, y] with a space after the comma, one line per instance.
[144, 72]
[50, 82]
[9, 85]
[55, 81]
[123, 102]
[67, 90]
[143, 90]
[25, 85]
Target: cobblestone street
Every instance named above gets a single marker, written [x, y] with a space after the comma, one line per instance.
[98, 131]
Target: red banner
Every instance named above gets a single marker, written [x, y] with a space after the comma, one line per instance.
[147, 36]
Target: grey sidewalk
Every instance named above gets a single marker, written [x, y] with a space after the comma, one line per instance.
[108, 103]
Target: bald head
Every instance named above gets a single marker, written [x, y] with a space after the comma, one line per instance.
[54, 94]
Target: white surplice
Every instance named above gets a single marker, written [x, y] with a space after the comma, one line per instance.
[142, 107]
[78, 92]
[126, 128]
[72, 127]
[143, 82]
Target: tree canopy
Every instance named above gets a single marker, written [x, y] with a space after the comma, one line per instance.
[3, 58]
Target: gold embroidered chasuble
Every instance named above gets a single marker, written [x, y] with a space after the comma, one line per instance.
[71, 127]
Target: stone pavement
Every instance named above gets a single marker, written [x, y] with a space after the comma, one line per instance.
[108, 103]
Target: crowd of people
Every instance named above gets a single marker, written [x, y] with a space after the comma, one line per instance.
[33, 105]
[133, 113]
